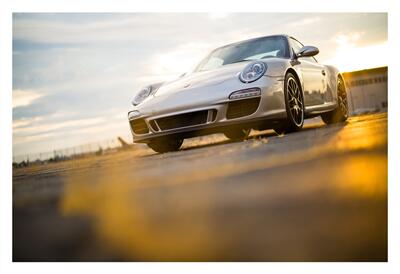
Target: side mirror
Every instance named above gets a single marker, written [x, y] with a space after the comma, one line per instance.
[307, 51]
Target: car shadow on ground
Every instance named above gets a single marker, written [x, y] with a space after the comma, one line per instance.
[258, 135]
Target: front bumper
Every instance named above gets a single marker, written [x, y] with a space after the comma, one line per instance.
[214, 116]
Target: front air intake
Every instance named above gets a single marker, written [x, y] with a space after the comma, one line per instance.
[183, 120]
[241, 108]
[139, 126]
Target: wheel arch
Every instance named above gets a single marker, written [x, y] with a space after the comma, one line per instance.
[340, 75]
[298, 78]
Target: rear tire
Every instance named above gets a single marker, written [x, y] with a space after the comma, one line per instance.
[294, 102]
[163, 145]
[341, 112]
[237, 134]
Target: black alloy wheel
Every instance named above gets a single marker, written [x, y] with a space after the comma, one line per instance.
[341, 112]
[294, 102]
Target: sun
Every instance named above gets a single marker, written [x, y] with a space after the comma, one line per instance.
[349, 57]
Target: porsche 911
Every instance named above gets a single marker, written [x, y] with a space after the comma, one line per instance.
[272, 82]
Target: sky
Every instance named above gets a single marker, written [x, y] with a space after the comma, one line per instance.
[75, 74]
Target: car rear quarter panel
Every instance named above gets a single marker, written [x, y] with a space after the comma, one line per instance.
[332, 77]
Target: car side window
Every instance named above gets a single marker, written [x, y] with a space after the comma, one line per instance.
[296, 46]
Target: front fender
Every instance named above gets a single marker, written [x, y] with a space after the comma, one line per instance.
[277, 67]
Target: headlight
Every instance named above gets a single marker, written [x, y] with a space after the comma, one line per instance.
[253, 72]
[143, 94]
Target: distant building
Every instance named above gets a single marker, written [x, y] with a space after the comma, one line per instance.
[367, 90]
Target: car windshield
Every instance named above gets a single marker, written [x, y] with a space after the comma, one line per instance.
[272, 46]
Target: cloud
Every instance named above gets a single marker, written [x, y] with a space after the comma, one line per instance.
[305, 21]
[352, 54]
[31, 138]
[24, 97]
[25, 122]
[345, 40]
[50, 127]
[218, 15]
[179, 60]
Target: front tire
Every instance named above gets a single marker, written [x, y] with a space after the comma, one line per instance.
[163, 145]
[341, 112]
[294, 102]
[237, 134]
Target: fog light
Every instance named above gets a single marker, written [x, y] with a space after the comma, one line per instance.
[133, 114]
[245, 93]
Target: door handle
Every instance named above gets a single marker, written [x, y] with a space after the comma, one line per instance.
[323, 72]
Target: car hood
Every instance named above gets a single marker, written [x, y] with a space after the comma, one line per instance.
[201, 79]
[202, 88]
[276, 67]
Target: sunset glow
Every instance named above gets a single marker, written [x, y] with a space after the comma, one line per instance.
[350, 57]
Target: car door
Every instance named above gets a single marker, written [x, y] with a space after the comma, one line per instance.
[314, 82]
[314, 78]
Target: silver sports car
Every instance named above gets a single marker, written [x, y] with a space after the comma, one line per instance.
[271, 82]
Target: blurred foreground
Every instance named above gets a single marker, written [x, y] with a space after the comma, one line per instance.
[316, 195]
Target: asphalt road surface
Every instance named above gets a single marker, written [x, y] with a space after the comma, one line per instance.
[315, 195]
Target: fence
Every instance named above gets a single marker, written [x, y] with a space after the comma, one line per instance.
[70, 152]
